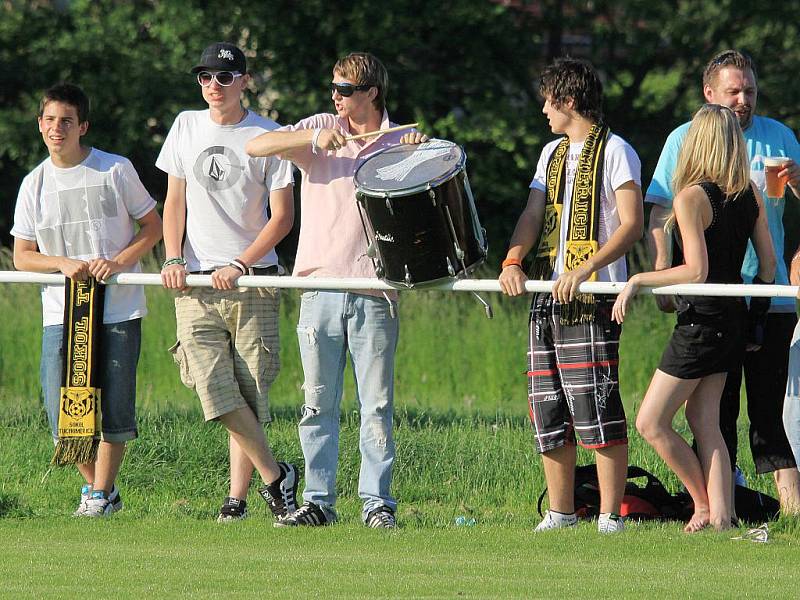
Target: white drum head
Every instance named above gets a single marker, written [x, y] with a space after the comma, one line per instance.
[407, 168]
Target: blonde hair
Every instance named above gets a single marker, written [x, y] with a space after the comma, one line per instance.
[713, 150]
[363, 68]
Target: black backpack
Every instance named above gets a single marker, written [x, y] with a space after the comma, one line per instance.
[649, 502]
[755, 507]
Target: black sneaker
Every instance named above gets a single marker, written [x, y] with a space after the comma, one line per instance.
[232, 509]
[281, 494]
[310, 515]
[115, 499]
[381, 518]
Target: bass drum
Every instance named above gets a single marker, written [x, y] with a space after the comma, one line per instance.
[419, 214]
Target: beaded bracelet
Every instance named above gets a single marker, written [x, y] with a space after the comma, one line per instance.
[175, 260]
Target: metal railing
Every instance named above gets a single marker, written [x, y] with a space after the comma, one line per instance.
[462, 285]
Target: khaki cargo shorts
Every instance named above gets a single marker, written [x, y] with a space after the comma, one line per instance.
[228, 347]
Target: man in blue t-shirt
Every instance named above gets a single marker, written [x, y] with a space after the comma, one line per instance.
[730, 79]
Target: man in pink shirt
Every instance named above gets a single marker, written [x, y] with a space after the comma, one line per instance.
[332, 244]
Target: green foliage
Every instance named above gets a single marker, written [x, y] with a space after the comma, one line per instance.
[465, 69]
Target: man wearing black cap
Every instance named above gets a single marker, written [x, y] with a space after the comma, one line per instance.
[216, 222]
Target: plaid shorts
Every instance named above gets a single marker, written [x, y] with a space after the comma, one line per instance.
[228, 348]
[573, 381]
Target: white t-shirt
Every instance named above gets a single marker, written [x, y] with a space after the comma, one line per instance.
[226, 190]
[84, 212]
[620, 165]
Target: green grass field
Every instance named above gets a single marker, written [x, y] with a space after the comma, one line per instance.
[464, 448]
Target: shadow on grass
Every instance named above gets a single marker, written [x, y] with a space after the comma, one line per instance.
[11, 506]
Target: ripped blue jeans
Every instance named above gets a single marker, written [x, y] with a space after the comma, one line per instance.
[330, 324]
[791, 402]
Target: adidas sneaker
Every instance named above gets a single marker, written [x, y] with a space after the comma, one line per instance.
[98, 505]
[281, 494]
[381, 518]
[308, 515]
[86, 492]
[233, 509]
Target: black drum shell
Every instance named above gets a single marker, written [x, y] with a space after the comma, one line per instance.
[413, 239]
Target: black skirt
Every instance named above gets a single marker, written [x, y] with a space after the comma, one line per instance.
[708, 338]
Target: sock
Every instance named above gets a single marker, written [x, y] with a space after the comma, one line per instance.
[275, 485]
[560, 517]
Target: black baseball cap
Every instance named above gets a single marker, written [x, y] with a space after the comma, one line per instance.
[221, 56]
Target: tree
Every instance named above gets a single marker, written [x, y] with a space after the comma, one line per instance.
[465, 69]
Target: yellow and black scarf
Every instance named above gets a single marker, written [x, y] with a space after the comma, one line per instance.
[79, 417]
[584, 217]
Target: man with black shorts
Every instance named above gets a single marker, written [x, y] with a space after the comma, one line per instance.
[730, 79]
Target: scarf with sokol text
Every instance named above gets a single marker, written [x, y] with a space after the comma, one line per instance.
[584, 217]
[79, 417]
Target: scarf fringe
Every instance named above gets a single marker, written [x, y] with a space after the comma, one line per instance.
[542, 268]
[580, 310]
[75, 450]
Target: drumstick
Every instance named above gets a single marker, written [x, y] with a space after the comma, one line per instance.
[379, 132]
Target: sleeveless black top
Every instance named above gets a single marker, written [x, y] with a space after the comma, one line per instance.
[726, 241]
[709, 334]
[729, 232]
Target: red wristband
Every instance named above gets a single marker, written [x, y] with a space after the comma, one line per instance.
[510, 262]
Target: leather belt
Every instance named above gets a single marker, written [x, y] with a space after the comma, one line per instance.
[271, 270]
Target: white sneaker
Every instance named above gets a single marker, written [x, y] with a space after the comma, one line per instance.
[556, 520]
[610, 523]
[98, 506]
[86, 492]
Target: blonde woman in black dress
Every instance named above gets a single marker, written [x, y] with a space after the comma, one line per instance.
[716, 212]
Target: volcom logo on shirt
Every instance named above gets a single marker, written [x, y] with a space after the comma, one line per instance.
[217, 168]
[226, 54]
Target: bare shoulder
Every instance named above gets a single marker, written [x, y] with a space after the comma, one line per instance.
[691, 198]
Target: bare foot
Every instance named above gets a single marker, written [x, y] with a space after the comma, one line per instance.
[699, 521]
[721, 524]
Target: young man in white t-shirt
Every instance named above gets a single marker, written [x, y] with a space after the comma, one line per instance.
[77, 214]
[585, 212]
[216, 222]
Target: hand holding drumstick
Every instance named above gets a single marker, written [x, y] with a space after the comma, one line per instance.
[414, 137]
[331, 139]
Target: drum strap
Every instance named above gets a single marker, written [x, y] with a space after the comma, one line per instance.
[584, 216]
[79, 416]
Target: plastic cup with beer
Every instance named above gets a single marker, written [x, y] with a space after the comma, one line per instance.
[776, 186]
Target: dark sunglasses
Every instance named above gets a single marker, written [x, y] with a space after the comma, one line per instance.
[347, 89]
[729, 58]
[224, 78]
